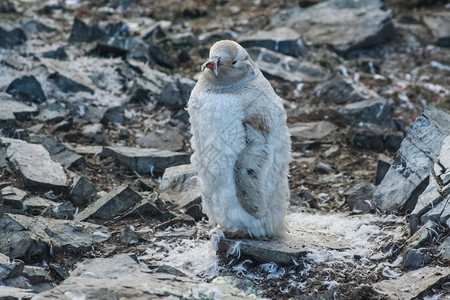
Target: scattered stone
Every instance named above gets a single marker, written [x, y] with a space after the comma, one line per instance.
[444, 249]
[32, 161]
[14, 110]
[144, 209]
[112, 205]
[332, 152]
[280, 39]
[344, 26]
[170, 270]
[209, 38]
[24, 236]
[36, 274]
[177, 221]
[340, 90]
[146, 161]
[421, 236]
[414, 259]
[435, 213]
[412, 284]
[305, 198]
[7, 7]
[243, 284]
[10, 268]
[323, 168]
[438, 23]
[287, 68]
[303, 134]
[83, 33]
[376, 138]
[27, 88]
[18, 282]
[129, 236]
[82, 191]
[59, 54]
[58, 151]
[63, 273]
[115, 115]
[51, 116]
[94, 132]
[7, 292]
[12, 38]
[126, 47]
[19, 199]
[383, 164]
[295, 245]
[63, 211]
[408, 175]
[183, 40]
[33, 27]
[358, 196]
[176, 93]
[169, 138]
[371, 111]
[122, 276]
[63, 126]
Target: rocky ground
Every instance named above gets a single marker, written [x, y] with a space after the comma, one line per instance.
[98, 200]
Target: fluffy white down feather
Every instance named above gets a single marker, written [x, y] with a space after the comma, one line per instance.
[217, 113]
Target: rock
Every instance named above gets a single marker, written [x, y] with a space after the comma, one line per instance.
[438, 23]
[444, 250]
[414, 259]
[18, 282]
[7, 292]
[162, 57]
[287, 68]
[280, 39]
[305, 198]
[144, 209]
[59, 54]
[412, 284]
[408, 175]
[24, 236]
[12, 38]
[115, 115]
[50, 116]
[376, 138]
[176, 93]
[82, 191]
[183, 40]
[33, 27]
[323, 168]
[10, 268]
[59, 270]
[126, 47]
[36, 274]
[94, 133]
[19, 199]
[27, 88]
[436, 212]
[295, 245]
[209, 38]
[170, 270]
[243, 284]
[63, 211]
[129, 236]
[69, 85]
[58, 151]
[7, 7]
[113, 204]
[83, 33]
[371, 111]
[332, 152]
[14, 110]
[123, 277]
[32, 162]
[407, 3]
[345, 26]
[304, 134]
[180, 220]
[339, 90]
[358, 196]
[383, 164]
[146, 161]
[169, 138]
[421, 236]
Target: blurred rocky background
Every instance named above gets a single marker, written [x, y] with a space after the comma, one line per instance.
[97, 197]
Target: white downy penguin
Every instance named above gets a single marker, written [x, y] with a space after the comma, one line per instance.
[241, 144]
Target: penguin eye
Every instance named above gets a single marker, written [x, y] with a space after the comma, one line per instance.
[234, 62]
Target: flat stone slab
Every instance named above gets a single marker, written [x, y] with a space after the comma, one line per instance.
[13, 110]
[284, 250]
[7, 292]
[115, 203]
[438, 23]
[311, 130]
[29, 236]
[123, 277]
[34, 164]
[412, 284]
[147, 161]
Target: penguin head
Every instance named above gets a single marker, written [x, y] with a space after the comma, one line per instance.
[228, 63]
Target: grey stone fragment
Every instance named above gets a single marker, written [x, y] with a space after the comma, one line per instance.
[383, 164]
[340, 90]
[415, 259]
[129, 236]
[13, 110]
[170, 270]
[420, 149]
[12, 38]
[36, 274]
[376, 138]
[121, 46]
[94, 132]
[344, 25]
[311, 130]
[323, 168]
[20, 282]
[20, 199]
[27, 88]
[438, 23]
[51, 116]
[282, 250]
[280, 39]
[123, 277]
[7, 292]
[444, 249]
[10, 268]
[179, 186]
[286, 68]
[82, 191]
[61, 211]
[180, 220]
[186, 39]
[30, 236]
[332, 152]
[358, 196]
[146, 161]
[434, 214]
[113, 204]
[63, 273]
[413, 284]
[35, 166]
[421, 236]
[169, 138]
[371, 111]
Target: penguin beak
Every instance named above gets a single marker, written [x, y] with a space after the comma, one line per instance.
[212, 64]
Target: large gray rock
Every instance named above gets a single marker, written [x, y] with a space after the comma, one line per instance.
[27, 88]
[408, 176]
[19, 199]
[370, 111]
[281, 39]
[287, 68]
[146, 161]
[7, 292]
[29, 236]
[358, 196]
[34, 164]
[311, 130]
[169, 138]
[344, 25]
[12, 38]
[13, 110]
[82, 191]
[438, 23]
[115, 203]
[413, 284]
[123, 277]
[10, 268]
